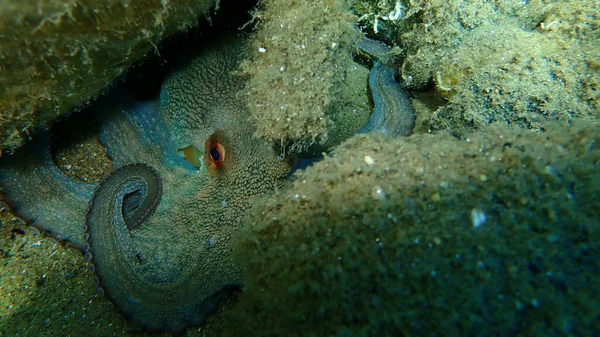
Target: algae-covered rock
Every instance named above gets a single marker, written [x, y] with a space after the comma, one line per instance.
[494, 235]
[57, 55]
[517, 62]
[302, 52]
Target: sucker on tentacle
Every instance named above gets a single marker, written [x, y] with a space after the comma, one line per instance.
[48, 199]
[135, 190]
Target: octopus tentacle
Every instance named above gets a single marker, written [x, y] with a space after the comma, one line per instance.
[160, 232]
[42, 194]
[393, 113]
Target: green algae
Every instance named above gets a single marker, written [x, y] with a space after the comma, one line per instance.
[385, 237]
[57, 56]
[516, 62]
[46, 289]
[302, 50]
[519, 63]
[530, 259]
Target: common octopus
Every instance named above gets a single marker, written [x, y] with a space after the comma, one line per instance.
[158, 229]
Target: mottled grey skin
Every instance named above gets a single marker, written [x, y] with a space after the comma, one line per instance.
[158, 230]
[166, 272]
[192, 117]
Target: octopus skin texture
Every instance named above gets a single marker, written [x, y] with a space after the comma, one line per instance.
[158, 229]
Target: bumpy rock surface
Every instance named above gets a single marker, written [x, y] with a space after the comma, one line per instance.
[57, 55]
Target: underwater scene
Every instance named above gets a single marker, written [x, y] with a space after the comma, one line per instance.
[299, 168]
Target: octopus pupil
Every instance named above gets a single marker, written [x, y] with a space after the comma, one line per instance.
[214, 154]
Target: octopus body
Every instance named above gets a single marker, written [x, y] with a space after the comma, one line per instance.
[158, 229]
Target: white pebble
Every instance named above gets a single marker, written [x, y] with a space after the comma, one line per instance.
[477, 217]
[379, 193]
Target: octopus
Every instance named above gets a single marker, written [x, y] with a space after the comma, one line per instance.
[158, 229]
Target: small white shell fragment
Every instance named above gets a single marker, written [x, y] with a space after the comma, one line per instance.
[478, 218]
[379, 193]
[369, 160]
[261, 50]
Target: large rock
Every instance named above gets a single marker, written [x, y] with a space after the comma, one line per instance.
[57, 55]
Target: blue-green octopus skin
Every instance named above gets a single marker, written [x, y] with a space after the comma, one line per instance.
[392, 112]
[42, 194]
[168, 272]
[159, 230]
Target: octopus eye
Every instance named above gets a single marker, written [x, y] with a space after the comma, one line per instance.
[214, 151]
[216, 154]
